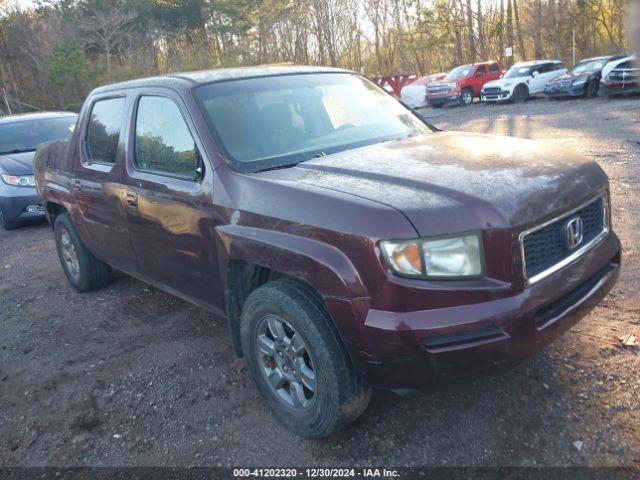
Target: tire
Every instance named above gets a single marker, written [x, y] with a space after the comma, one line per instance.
[331, 394]
[6, 224]
[439, 105]
[520, 94]
[466, 97]
[592, 89]
[83, 270]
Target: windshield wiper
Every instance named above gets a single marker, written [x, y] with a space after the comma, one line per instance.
[278, 167]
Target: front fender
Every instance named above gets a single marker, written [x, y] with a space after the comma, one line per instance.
[323, 266]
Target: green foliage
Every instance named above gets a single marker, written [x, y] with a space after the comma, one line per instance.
[68, 66]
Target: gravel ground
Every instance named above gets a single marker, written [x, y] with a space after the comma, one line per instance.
[129, 375]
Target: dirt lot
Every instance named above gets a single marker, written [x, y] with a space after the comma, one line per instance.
[131, 376]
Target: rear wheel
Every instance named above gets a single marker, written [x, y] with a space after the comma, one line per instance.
[6, 224]
[520, 94]
[83, 270]
[466, 97]
[296, 359]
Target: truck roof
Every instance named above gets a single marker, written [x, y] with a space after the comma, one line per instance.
[191, 79]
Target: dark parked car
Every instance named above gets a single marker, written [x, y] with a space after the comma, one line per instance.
[583, 80]
[622, 79]
[19, 137]
[348, 243]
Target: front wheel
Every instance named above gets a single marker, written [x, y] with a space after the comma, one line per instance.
[466, 98]
[592, 89]
[6, 223]
[83, 270]
[297, 361]
[520, 94]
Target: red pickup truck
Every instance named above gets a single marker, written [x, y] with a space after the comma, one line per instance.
[462, 84]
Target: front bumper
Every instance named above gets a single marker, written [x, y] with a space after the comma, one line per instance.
[410, 348]
[501, 96]
[570, 91]
[20, 204]
[439, 100]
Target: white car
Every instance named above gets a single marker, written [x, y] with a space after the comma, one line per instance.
[414, 95]
[522, 80]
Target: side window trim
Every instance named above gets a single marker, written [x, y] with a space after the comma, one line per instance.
[133, 142]
[85, 158]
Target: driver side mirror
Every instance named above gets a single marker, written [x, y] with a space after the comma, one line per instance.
[535, 74]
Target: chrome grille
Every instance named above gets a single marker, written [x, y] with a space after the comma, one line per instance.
[544, 248]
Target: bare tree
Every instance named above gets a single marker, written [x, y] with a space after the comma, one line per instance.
[510, 31]
[106, 29]
[523, 53]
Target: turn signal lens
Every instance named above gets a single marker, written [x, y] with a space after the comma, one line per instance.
[21, 181]
[404, 257]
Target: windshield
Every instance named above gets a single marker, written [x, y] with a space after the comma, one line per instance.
[276, 121]
[26, 135]
[592, 66]
[519, 71]
[459, 72]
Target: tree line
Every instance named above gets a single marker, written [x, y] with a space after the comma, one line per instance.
[51, 55]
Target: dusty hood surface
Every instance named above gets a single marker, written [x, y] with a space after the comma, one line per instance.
[17, 163]
[450, 181]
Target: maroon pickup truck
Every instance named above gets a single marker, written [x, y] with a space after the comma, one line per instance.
[349, 243]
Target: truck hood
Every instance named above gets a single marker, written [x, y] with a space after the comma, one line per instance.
[17, 163]
[450, 182]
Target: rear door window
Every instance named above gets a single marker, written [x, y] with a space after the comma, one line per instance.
[494, 68]
[163, 141]
[103, 132]
[481, 71]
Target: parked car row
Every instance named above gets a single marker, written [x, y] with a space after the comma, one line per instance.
[606, 75]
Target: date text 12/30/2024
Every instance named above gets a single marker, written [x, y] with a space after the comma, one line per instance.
[315, 473]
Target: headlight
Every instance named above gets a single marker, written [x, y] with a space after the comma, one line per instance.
[453, 86]
[438, 257]
[580, 81]
[21, 181]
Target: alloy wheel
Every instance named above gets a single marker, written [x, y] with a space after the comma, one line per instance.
[467, 98]
[286, 363]
[70, 255]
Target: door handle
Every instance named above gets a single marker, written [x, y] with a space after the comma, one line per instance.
[132, 199]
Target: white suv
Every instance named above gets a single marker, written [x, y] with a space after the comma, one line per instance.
[522, 80]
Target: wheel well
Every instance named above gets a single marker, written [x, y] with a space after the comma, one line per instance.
[243, 278]
[53, 210]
